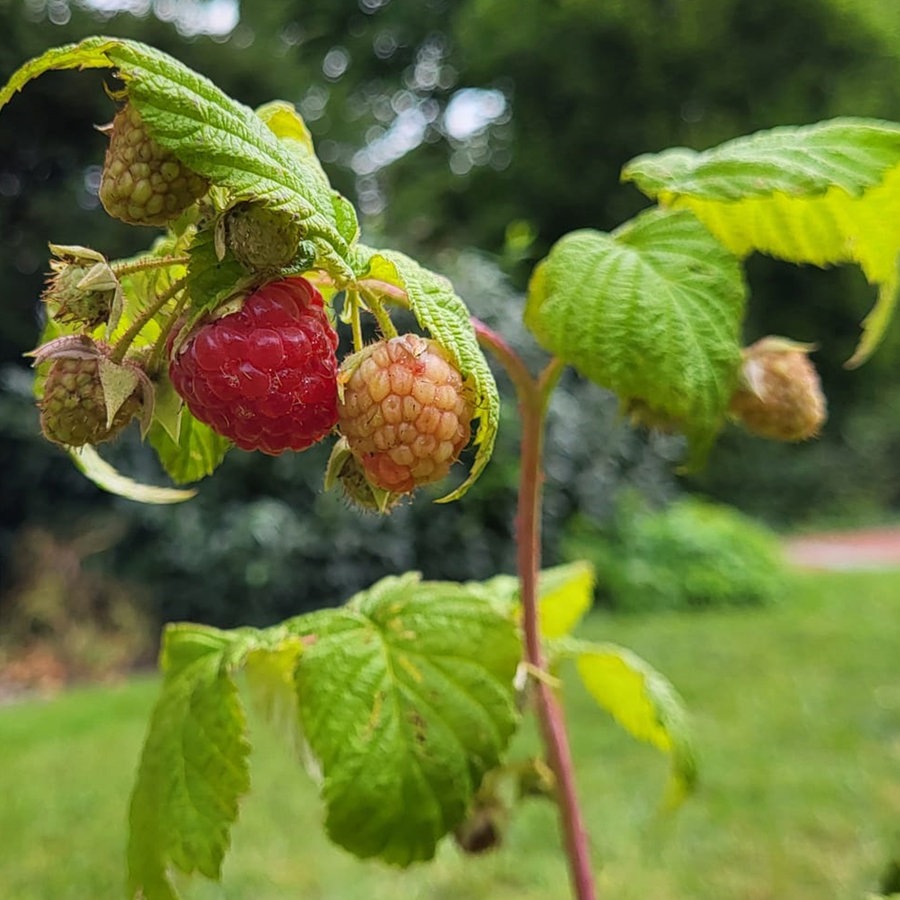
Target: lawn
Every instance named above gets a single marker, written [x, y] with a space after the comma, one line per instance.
[797, 716]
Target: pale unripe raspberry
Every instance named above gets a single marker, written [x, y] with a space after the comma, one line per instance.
[142, 183]
[780, 397]
[406, 412]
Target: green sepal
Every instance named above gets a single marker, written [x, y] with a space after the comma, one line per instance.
[118, 383]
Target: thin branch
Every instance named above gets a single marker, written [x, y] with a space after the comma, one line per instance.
[549, 710]
[130, 266]
[534, 395]
[124, 342]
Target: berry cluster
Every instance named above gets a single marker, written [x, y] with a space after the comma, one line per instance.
[265, 374]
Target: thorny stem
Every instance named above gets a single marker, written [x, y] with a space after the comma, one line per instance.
[129, 267]
[159, 348]
[385, 324]
[355, 324]
[124, 342]
[533, 396]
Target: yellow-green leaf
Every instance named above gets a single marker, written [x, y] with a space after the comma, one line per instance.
[269, 671]
[566, 593]
[824, 194]
[643, 702]
[105, 476]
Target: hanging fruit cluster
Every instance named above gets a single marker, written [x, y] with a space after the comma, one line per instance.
[258, 364]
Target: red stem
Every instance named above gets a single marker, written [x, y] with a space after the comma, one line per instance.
[533, 396]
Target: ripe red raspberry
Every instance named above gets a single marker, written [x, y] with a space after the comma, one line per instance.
[405, 412]
[265, 376]
[781, 397]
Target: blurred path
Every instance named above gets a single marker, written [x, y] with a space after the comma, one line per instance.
[870, 548]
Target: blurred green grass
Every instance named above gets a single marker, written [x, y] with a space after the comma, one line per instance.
[796, 710]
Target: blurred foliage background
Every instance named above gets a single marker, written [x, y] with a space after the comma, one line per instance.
[472, 134]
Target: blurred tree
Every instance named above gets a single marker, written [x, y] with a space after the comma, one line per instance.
[502, 124]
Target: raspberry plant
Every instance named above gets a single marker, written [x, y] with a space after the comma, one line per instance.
[223, 332]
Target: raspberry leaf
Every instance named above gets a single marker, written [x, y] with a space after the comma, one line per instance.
[211, 280]
[288, 125]
[402, 721]
[105, 476]
[214, 135]
[813, 194]
[193, 767]
[269, 673]
[444, 315]
[642, 701]
[89, 54]
[565, 594]
[196, 453]
[652, 311]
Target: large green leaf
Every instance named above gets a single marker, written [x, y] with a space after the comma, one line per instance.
[214, 135]
[824, 194]
[406, 699]
[444, 315]
[642, 701]
[652, 311]
[193, 768]
[288, 126]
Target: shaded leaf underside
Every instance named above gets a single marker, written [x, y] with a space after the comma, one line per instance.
[652, 311]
